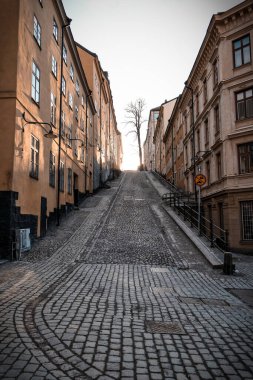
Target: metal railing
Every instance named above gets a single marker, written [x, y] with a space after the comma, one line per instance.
[217, 236]
[184, 204]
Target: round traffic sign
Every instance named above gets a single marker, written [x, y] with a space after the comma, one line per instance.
[200, 179]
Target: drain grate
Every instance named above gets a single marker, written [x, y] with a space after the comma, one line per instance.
[154, 327]
[159, 270]
[206, 301]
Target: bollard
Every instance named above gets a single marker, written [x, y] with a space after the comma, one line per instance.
[228, 266]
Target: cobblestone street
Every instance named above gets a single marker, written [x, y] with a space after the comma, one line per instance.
[119, 292]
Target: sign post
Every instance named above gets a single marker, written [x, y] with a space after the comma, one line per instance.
[200, 180]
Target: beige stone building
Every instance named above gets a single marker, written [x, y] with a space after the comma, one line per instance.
[165, 112]
[148, 146]
[47, 126]
[217, 133]
[105, 125]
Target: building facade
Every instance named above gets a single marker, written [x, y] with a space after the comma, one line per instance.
[164, 115]
[47, 129]
[148, 146]
[105, 125]
[211, 128]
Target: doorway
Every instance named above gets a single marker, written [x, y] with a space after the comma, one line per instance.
[76, 192]
[43, 216]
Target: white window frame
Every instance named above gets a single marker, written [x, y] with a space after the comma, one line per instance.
[53, 108]
[54, 66]
[35, 83]
[37, 30]
[34, 163]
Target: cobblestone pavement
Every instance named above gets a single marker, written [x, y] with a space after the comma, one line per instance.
[118, 292]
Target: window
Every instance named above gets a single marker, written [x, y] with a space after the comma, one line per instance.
[245, 153]
[63, 86]
[69, 136]
[70, 181]
[206, 133]
[77, 87]
[218, 163]
[52, 170]
[217, 119]
[64, 54]
[36, 30]
[70, 100]
[54, 66]
[185, 122]
[208, 173]
[82, 154]
[35, 83]
[244, 104]
[247, 220]
[63, 123]
[34, 167]
[198, 140]
[71, 72]
[197, 104]
[82, 100]
[61, 176]
[205, 90]
[53, 109]
[241, 51]
[55, 30]
[186, 157]
[215, 73]
[76, 112]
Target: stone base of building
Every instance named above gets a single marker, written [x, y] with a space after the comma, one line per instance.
[11, 220]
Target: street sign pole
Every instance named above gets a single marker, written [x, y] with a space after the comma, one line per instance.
[200, 180]
[199, 211]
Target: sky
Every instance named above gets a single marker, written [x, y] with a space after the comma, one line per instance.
[148, 48]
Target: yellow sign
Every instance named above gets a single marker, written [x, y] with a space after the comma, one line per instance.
[200, 179]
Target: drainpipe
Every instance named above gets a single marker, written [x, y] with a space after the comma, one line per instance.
[60, 125]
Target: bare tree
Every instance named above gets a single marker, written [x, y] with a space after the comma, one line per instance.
[135, 120]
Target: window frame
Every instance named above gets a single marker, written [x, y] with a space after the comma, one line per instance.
[241, 50]
[243, 237]
[34, 158]
[54, 67]
[64, 54]
[61, 174]
[63, 87]
[71, 72]
[37, 31]
[52, 167]
[244, 102]
[247, 156]
[52, 108]
[35, 88]
[70, 181]
[55, 30]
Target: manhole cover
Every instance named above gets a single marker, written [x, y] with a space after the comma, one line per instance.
[214, 302]
[159, 270]
[164, 327]
[161, 290]
[245, 295]
[191, 300]
[206, 301]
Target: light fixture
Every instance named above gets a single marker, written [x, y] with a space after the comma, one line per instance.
[48, 135]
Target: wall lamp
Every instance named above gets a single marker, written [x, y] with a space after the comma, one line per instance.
[48, 135]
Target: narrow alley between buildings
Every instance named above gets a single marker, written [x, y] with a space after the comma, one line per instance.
[119, 292]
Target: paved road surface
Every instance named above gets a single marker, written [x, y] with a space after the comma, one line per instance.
[118, 292]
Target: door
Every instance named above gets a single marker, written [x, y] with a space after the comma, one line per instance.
[43, 216]
[76, 192]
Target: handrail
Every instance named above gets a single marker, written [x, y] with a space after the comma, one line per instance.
[182, 203]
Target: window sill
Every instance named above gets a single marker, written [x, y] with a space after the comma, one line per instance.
[246, 242]
[242, 66]
[34, 176]
[34, 101]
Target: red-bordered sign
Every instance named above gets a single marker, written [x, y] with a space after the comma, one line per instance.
[200, 179]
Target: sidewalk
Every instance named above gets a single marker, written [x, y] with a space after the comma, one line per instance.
[212, 255]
